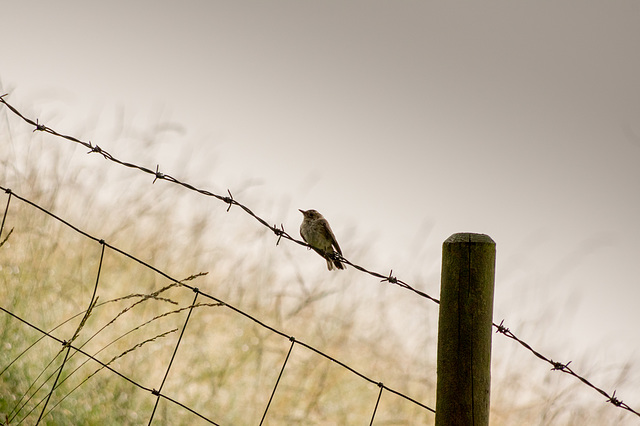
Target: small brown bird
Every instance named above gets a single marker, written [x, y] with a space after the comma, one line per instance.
[316, 232]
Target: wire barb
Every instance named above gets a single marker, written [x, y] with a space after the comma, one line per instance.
[279, 232]
[159, 175]
[94, 148]
[391, 279]
[39, 127]
[229, 200]
[559, 366]
[500, 328]
[615, 401]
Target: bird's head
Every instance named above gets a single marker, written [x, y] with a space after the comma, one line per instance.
[310, 214]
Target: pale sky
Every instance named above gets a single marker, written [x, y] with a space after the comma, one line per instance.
[407, 121]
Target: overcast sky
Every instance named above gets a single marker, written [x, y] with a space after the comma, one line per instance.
[407, 121]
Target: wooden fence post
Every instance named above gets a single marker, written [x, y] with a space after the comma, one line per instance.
[464, 330]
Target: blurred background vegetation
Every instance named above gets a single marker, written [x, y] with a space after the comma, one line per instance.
[226, 365]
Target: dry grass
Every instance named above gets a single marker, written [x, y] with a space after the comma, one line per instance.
[226, 365]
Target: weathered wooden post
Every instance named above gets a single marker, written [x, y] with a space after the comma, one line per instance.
[464, 330]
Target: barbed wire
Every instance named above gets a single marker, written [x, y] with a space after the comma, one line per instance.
[228, 199]
[281, 233]
[68, 344]
[564, 367]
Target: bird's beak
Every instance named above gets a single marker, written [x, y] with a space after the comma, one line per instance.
[301, 211]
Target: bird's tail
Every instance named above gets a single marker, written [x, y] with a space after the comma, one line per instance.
[331, 261]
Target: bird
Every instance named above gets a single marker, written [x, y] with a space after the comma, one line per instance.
[316, 232]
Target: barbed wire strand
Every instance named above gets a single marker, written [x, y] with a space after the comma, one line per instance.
[203, 294]
[280, 233]
[558, 366]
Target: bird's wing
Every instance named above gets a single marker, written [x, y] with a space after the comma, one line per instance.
[331, 237]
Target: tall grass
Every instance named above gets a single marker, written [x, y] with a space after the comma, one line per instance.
[226, 365]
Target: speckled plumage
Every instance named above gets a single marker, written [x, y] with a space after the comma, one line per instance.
[316, 232]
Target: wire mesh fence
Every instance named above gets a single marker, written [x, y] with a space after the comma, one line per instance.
[279, 372]
[87, 347]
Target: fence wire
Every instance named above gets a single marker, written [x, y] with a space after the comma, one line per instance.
[68, 345]
[228, 199]
[280, 233]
